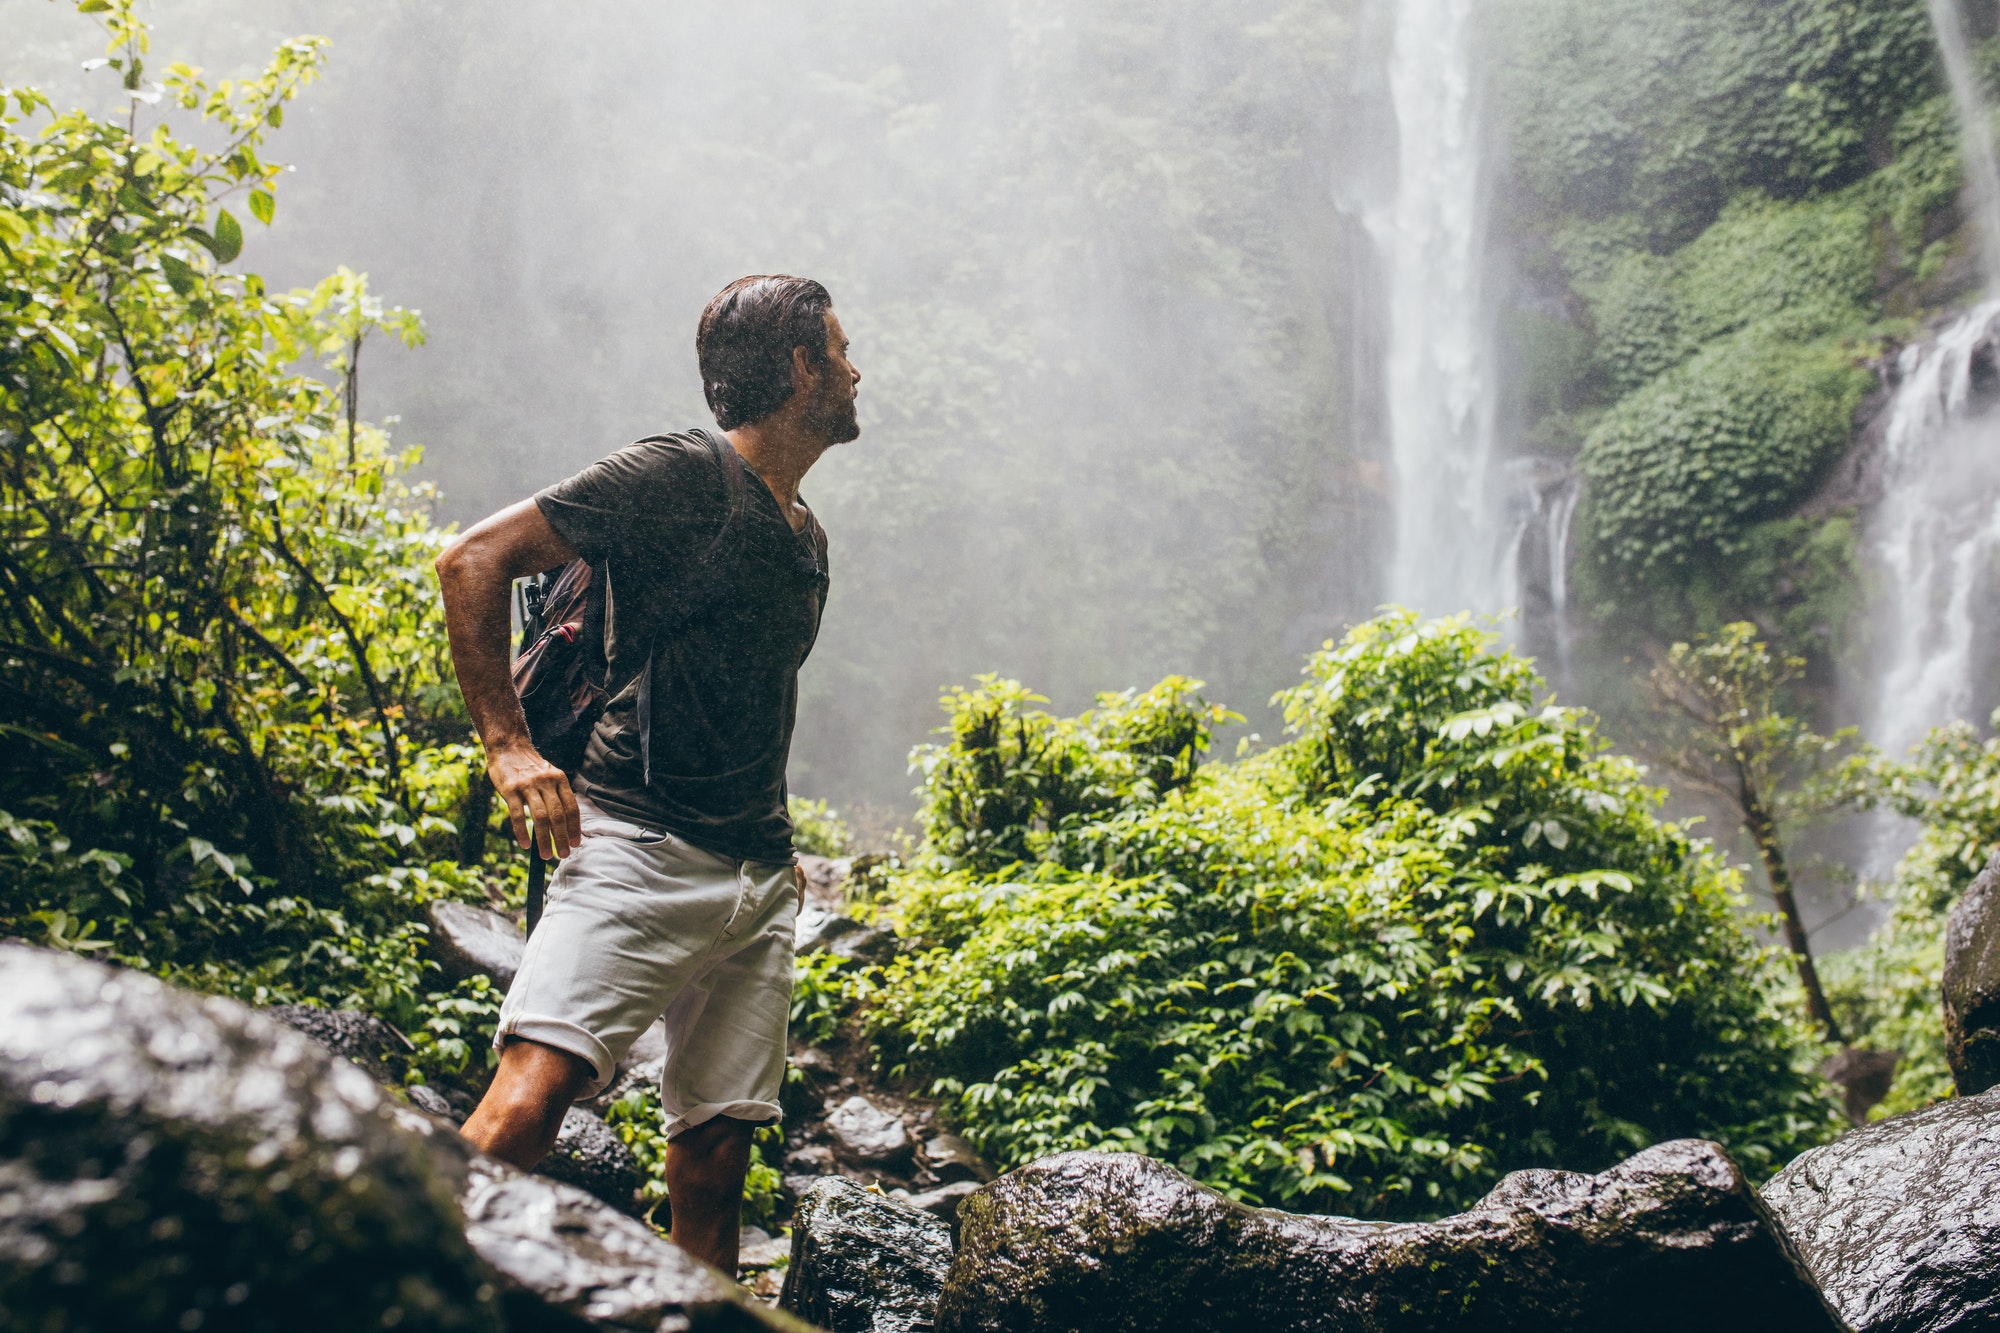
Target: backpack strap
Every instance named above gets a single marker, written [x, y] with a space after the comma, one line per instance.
[699, 589]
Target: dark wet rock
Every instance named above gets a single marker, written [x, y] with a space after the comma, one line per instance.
[172, 1161]
[468, 941]
[432, 1102]
[866, 1135]
[842, 935]
[816, 1063]
[1863, 1078]
[942, 1202]
[758, 1248]
[590, 1155]
[815, 1159]
[821, 877]
[798, 1182]
[169, 1161]
[863, 1262]
[636, 1078]
[350, 1034]
[1672, 1239]
[952, 1158]
[1900, 1220]
[1972, 984]
[568, 1262]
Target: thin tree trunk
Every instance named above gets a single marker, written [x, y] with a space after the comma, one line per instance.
[1764, 830]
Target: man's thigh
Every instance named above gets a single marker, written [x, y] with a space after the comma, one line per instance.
[632, 918]
[726, 1028]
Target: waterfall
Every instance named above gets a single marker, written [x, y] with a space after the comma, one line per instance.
[1440, 403]
[1936, 533]
[1975, 128]
[1540, 503]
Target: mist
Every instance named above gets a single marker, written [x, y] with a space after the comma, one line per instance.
[1097, 283]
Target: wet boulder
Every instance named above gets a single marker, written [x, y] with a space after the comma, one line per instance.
[468, 941]
[1900, 1220]
[942, 1202]
[1972, 984]
[567, 1262]
[866, 1135]
[951, 1158]
[1672, 1239]
[589, 1155]
[863, 1262]
[361, 1038]
[169, 1161]
[842, 935]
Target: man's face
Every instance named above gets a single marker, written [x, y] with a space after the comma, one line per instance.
[830, 413]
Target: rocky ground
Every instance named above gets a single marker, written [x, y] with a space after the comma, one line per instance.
[840, 1119]
[173, 1161]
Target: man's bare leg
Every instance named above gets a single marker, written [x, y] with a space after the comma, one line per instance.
[705, 1170]
[522, 1112]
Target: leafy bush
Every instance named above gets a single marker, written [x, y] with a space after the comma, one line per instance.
[1680, 469]
[1437, 936]
[1666, 110]
[222, 656]
[1886, 991]
[817, 830]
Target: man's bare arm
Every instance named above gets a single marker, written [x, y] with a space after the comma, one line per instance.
[477, 573]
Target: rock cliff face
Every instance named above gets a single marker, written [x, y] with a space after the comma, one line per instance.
[1672, 1239]
[1972, 984]
[1900, 1221]
[169, 1161]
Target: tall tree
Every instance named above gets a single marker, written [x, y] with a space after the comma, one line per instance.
[1731, 738]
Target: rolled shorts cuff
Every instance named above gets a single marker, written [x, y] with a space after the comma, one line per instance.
[564, 1037]
[754, 1112]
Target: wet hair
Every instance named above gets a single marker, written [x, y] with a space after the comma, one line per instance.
[745, 340]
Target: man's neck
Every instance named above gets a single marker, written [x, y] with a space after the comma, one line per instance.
[781, 452]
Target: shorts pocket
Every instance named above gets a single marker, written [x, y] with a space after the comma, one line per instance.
[604, 826]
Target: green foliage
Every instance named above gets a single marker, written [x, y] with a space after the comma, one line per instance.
[1015, 782]
[1438, 936]
[1665, 109]
[1677, 471]
[221, 651]
[1887, 990]
[819, 831]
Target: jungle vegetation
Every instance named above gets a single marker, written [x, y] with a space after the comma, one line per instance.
[1438, 932]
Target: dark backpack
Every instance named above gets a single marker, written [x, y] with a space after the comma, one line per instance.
[569, 632]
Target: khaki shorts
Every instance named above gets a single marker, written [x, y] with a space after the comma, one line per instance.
[640, 925]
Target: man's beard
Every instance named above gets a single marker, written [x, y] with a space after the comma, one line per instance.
[833, 419]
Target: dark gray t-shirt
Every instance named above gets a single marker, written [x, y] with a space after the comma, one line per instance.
[725, 682]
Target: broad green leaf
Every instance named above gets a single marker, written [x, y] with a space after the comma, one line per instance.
[180, 276]
[262, 206]
[228, 240]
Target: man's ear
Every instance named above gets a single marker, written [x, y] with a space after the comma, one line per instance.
[805, 374]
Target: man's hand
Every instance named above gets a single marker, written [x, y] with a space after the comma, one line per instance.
[476, 575]
[536, 790]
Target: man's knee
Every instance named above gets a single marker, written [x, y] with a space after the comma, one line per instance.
[714, 1155]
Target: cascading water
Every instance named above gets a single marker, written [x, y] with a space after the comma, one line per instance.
[1936, 533]
[1440, 406]
[1934, 536]
[1975, 129]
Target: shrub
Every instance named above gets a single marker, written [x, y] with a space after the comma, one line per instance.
[1438, 936]
[1680, 469]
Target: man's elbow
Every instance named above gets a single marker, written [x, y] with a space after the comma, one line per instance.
[453, 563]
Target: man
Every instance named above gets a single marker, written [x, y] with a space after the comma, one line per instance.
[676, 894]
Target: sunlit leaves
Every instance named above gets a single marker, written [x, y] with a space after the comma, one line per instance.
[1437, 936]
